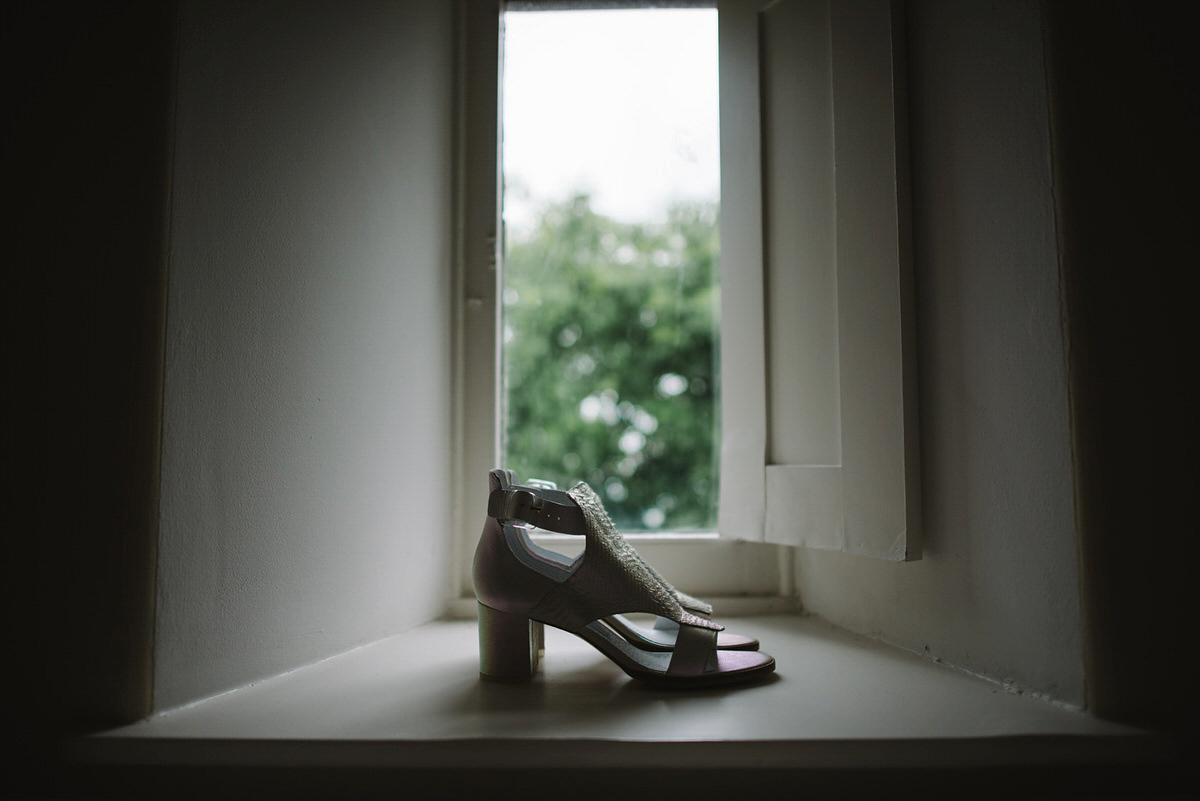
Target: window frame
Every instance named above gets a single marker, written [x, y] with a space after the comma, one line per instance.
[839, 472]
[700, 561]
[867, 499]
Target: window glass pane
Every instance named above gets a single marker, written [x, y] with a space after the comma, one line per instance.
[609, 282]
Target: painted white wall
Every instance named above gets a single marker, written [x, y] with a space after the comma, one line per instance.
[307, 400]
[997, 589]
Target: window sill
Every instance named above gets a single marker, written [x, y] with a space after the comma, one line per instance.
[414, 701]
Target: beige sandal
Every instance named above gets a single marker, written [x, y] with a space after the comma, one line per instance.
[519, 587]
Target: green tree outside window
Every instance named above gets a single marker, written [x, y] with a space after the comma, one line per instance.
[610, 360]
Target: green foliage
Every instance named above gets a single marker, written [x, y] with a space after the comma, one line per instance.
[610, 361]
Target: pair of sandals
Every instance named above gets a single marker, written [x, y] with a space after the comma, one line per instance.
[521, 586]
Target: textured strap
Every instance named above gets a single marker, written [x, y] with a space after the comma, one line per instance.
[694, 647]
[609, 578]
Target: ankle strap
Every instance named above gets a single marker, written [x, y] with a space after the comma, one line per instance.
[553, 510]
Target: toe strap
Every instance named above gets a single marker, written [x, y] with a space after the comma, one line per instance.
[695, 647]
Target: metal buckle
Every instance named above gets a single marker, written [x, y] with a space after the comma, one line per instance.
[519, 503]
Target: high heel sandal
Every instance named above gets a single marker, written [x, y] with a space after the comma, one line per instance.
[520, 589]
[562, 519]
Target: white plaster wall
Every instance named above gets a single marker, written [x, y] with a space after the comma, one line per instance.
[997, 589]
[305, 456]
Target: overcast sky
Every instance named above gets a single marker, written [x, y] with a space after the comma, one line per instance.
[619, 103]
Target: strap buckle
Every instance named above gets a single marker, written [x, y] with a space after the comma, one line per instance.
[528, 504]
[521, 503]
[513, 503]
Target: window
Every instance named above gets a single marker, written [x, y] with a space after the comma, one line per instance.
[818, 414]
[609, 301]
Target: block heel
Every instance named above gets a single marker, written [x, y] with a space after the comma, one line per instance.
[509, 645]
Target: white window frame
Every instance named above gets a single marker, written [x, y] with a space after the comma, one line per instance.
[819, 373]
[863, 497]
[475, 323]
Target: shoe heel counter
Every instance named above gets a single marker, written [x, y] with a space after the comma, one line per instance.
[501, 581]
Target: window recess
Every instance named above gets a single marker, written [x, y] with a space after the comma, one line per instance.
[819, 405]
